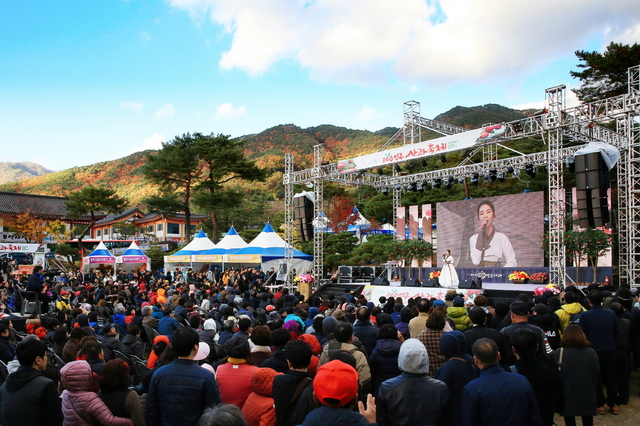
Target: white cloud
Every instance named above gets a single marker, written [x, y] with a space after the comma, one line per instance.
[438, 42]
[571, 100]
[166, 111]
[226, 111]
[367, 114]
[152, 142]
[136, 106]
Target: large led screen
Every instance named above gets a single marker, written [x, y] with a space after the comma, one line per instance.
[494, 232]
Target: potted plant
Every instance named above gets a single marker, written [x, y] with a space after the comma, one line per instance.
[435, 275]
[518, 277]
[539, 278]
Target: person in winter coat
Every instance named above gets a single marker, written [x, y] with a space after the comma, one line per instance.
[81, 406]
[115, 392]
[157, 313]
[110, 342]
[27, 398]
[259, 408]
[579, 368]
[364, 330]
[570, 308]
[278, 361]
[547, 322]
[458, 314]
[7, 350]
[412, 397]
[35, 327]
[234, 376]
[72, 347]
[316, 349]
[383, 361]
[544, 377]
[459, 370]
[168, 324]
[430, 338]
[403, 325]
[261, 351]
[343, 334]
[131, 343]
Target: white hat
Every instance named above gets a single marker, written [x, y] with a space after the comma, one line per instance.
[203, 351]
[210, 324]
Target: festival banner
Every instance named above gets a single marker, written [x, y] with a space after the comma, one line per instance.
[208, 258]
[243, 258]
[132, 259]
[21, 247]
[373, 292]
[428, 148]
[413, 222]
[174, 259]
[400, 222]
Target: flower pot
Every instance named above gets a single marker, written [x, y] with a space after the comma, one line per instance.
[518, 281]
[537, 281]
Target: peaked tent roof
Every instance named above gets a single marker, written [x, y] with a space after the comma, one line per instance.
[101, 251]
[232, 240]
[133, 250]
[199, 244]
[270, 245]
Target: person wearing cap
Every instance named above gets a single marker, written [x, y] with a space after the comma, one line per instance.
[109, 341]
[338, 398]
[519, 319]
[458, 314]
[181, 391]
[412, 397]
[497, 397]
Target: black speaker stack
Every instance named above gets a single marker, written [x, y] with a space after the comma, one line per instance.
[303, 209]
[592, 183]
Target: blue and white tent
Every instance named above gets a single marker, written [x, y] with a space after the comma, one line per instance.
[271, 247]
[133, 258]
[199, 244]
[100, 256]
[230, 243]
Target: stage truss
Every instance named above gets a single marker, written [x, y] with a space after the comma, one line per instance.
[564, 130]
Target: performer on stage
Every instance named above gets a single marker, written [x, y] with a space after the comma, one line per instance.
[490, 248]
[448, 276]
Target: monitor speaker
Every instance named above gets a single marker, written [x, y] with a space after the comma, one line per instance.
[366, 271]
[303, 210]
[410, 282]
[467, 284]
[345, 271]
[430, 283]
[380, 281]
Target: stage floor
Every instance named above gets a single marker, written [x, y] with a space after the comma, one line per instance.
[488, 286]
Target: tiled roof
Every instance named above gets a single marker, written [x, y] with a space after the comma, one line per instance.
[121, 216]
[176, 216]
[43, 206]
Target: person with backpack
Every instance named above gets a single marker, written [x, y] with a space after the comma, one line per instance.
[571, 311]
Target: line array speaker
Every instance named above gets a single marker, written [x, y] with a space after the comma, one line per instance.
[303, 210]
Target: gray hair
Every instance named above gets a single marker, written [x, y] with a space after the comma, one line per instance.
[145, 310]
[222, 415]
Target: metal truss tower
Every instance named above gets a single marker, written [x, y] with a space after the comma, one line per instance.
[288, 217]
[412, 133]
[318, 195]
[629, 256]
[555, 100]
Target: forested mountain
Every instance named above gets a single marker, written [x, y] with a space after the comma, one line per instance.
[13, 172]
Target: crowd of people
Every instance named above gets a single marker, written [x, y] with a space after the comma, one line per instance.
[219, 348]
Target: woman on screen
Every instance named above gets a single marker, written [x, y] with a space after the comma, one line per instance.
[448, 276]
[490, 248]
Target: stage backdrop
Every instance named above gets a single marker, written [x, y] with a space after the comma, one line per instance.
[518, 221]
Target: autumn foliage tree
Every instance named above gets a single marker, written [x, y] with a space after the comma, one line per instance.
[27, 226]
[340, 213]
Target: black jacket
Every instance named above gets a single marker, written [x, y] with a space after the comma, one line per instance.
[546, 381]
[284, 387]
[7, 350]
[278, 361]
[367, 334]
[383, 363]
[27, 398]
[412, 399]
[131, 345]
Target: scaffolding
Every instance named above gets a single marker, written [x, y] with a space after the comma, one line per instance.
[565, 130]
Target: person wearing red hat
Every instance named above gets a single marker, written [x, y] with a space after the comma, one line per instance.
[338, 398]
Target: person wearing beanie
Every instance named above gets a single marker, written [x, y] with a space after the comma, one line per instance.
[338, 398]
[412, 397]
[259, 408]
[459, 369]
[234, 376]
[328, 325]
[458, 314]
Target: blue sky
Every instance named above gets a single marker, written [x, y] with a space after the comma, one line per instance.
[89, 81]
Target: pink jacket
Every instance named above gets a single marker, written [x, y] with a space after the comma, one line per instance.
[89, 408]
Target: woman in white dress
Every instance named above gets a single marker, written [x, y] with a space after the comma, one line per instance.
[448, 275]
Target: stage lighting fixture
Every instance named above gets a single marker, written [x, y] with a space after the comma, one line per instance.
[517, 127]
[571, 165]
[412, 187]
[426, 185]
[516, 173]
[443, 158]
[420, 187]
[397, 168]
[474, 179]
[501, 176]
[509, 169]
[486, 178]
[398, 187]
[493, 174]
[448, 182]
[461, 181]
[530, 170]
[324, 163]
[436, 183]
